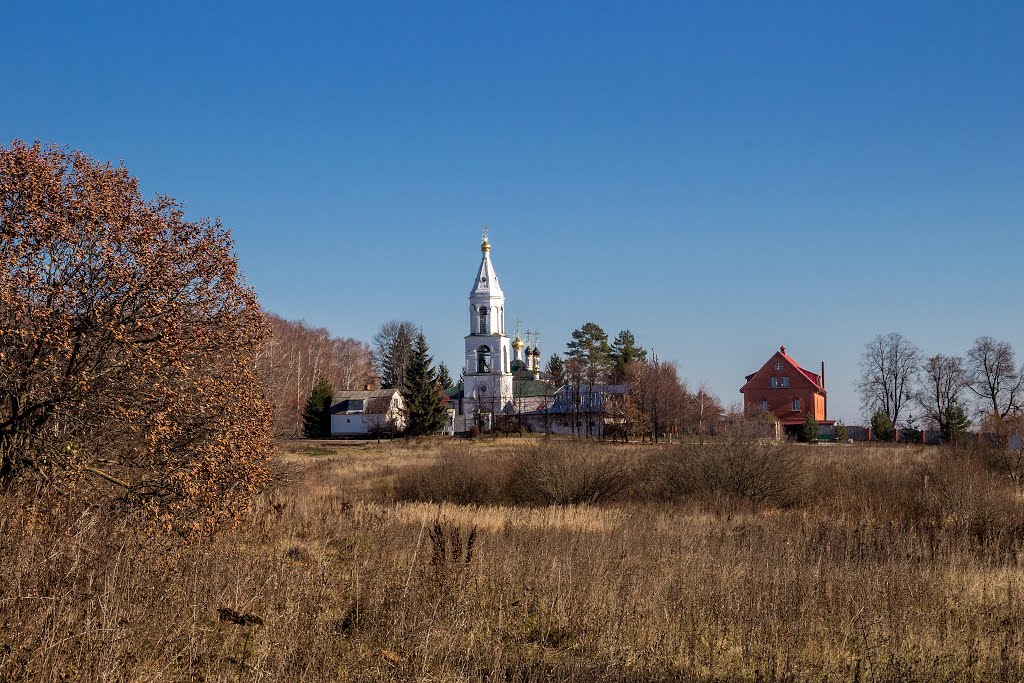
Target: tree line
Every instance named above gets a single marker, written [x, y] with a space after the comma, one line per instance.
[297, 359]
[399, 359]
[658, 401]
[897, 377]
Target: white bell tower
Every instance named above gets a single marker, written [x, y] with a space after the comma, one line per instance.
[487, 369]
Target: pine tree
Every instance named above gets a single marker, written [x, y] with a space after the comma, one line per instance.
[425, 404]
[589, 347]
[444, 380]
[809, 432]
[316, 417]
[623, 352]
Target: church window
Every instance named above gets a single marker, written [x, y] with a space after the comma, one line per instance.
[796, 404]
[778, 366]
[785, 382]
[484, 327]
[483, 359]
[764, 406]
[773, 382]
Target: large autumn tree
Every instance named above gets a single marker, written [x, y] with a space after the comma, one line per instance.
[127, 344]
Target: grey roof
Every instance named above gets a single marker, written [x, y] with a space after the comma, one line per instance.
[360, 394]
[363, 401]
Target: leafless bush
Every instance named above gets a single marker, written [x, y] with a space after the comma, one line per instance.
[567, 473]
[742, 464]
[460, 478]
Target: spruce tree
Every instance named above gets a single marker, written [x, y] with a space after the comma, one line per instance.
[392, 348]
[841, 433]
[444, 380]
[809, 432]
[555, 370]
[316, 417]
[423, 398]
[881, 426]
[956, 423]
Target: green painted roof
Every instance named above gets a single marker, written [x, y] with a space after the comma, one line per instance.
[525, 388]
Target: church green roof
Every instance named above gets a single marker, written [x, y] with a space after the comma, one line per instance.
[526, 388]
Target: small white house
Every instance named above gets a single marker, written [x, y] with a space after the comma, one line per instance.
[362, 413]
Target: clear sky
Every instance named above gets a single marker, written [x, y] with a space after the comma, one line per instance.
[719, 177]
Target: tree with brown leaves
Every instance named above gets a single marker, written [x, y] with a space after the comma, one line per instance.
[127, 345]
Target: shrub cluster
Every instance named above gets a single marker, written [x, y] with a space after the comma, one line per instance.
[966, 488]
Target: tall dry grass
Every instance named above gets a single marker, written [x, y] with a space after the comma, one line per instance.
[878, 565]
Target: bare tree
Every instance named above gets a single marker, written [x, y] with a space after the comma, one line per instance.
[943, 380]
[295, 356]
[994, 377]
[659, 393]
[701, 410]
[888, 371]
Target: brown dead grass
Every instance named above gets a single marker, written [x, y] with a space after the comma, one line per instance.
[887, 565]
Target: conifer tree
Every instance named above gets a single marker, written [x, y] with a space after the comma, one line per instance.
[555, 369]
[841, 433]
[589, 348]
[444, 380]
[956, 422]
[392, 348]
[316, 417]
[809, 432]
[426, 407]
[881, 426]
[623, 352]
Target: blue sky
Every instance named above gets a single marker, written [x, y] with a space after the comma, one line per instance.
[721, 178]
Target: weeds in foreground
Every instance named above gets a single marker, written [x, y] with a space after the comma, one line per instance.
[880, 565]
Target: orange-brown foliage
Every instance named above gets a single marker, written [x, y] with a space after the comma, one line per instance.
[127, 344]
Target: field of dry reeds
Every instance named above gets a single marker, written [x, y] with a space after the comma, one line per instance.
[536, 560]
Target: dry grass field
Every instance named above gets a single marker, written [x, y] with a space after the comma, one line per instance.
[532, 560]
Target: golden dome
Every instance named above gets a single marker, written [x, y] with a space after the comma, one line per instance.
[517, 343]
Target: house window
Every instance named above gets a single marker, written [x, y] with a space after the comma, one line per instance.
[773, 382]
[483, 359]
[796, 405]
[785, 382]
[764, 406]
[485, 328]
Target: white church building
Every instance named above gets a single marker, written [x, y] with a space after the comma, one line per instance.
[497, 379]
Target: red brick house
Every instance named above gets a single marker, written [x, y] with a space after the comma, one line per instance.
[785, 389]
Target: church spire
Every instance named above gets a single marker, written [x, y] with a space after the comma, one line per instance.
[486, 284]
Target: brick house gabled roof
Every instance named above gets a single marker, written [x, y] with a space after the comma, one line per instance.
[812, 377]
